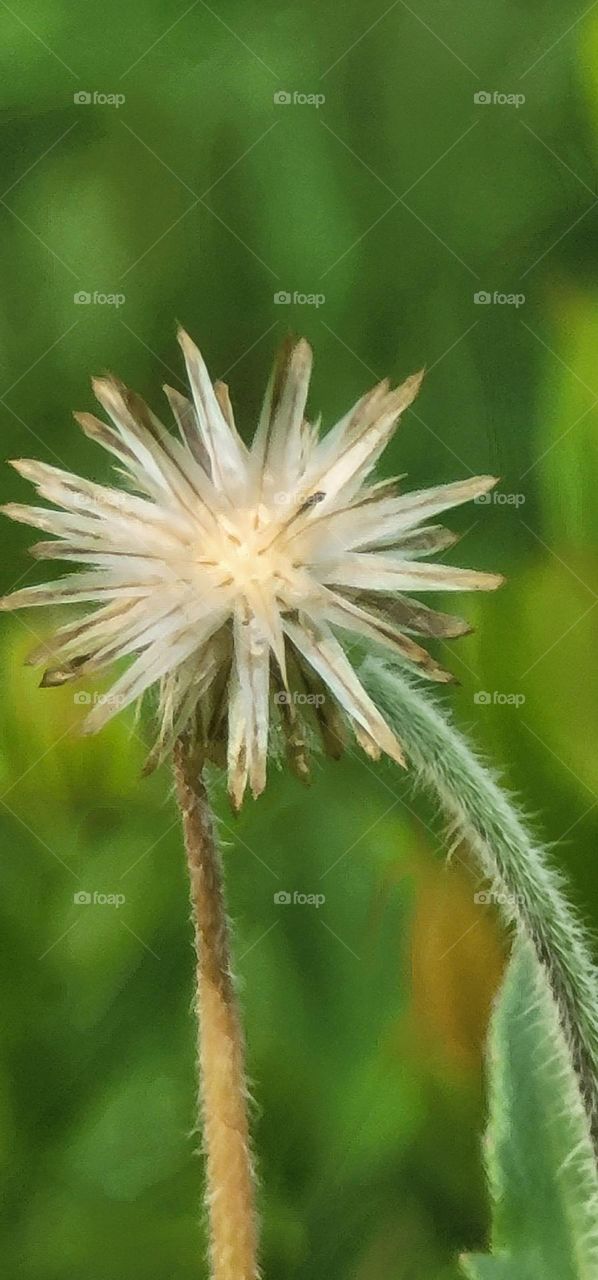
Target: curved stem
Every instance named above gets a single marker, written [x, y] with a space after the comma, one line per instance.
[230, 1192]
[529, 889]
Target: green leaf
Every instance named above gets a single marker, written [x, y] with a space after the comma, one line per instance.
[539, 1156]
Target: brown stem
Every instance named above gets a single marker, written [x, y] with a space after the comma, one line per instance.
[222, 1086]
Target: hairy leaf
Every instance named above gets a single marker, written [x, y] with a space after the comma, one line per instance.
[539, 1157]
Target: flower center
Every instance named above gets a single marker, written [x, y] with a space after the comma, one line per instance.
[246, 549]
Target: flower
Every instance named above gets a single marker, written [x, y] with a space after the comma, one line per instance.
[229, 571]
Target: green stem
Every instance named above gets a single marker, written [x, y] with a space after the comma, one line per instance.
[528, 887]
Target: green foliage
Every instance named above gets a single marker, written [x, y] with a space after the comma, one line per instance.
[541, 1166]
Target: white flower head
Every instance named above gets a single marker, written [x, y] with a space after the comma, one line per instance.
[237, 577]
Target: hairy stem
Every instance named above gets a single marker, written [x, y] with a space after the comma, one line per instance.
[518, 868]
[222, 1086]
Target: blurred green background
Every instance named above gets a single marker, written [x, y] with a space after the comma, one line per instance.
[382, 209]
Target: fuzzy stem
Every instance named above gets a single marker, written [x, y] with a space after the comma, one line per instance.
[515, 863]
[230, 1188]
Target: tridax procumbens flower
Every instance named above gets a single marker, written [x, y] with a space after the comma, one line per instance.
[234, 573]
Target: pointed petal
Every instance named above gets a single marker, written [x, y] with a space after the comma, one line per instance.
[222, 394]
[237, 765]
[346, 614]
[87, 553]
[102, 434]
[187, 687]
[76, 588]
[421, 504]
[276, 382]
[412, 615]
[378, 572]
[252, 663]
[267, 615]
[164, 654]
[78, 639]
[168, 465]
[389, 518]
[100, 503]
[293, 727]
[366, 742]
[285, 446]
[362, 449]
[184, 416]
[61, 523]
[432, 538]
[332, 720]
[224, 447]
[356, 420]
[320, 648]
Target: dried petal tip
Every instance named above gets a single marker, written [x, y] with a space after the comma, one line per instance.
[491, 581]
[413, 383]
[485, 483]
[233, 577]
[26, 467]
[399, 399]
[52, 679]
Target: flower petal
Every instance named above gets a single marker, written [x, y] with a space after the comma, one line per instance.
[252, 665]
[225, 449]
[379, 572]
[346, 614]
[323, 652]
[362, 449]
[186, 420]
[412, 615]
